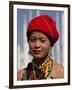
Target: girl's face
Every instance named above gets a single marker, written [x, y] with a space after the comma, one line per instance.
[39, 45]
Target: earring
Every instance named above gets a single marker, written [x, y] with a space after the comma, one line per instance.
[29, 52]
[50, 52]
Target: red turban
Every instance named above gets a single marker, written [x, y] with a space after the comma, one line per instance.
[44, 24]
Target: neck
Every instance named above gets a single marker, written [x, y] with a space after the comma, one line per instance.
[39, 61]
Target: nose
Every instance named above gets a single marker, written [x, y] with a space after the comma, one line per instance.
[37, 44]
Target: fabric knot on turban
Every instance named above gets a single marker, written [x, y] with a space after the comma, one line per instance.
[44, 24]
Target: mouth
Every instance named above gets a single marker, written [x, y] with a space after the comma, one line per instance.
[37, 51]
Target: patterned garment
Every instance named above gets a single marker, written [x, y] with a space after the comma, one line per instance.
[42, 72]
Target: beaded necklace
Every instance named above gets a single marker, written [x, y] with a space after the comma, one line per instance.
[43, 71]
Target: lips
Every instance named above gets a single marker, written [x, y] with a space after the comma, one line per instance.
[37, 51]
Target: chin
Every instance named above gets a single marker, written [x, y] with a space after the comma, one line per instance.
[37, 57]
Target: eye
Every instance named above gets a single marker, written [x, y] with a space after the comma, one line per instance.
[43, 40]
[32, 39]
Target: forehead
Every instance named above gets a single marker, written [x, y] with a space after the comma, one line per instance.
[38, 34]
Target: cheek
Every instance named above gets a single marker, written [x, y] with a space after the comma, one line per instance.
[46, 47]
[30, 45]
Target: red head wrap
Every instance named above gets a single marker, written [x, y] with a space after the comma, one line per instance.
[44, 24]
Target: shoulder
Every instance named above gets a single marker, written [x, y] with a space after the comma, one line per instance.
[57, 71]
[21, 74]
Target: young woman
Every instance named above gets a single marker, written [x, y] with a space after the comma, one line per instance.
[42, 35]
